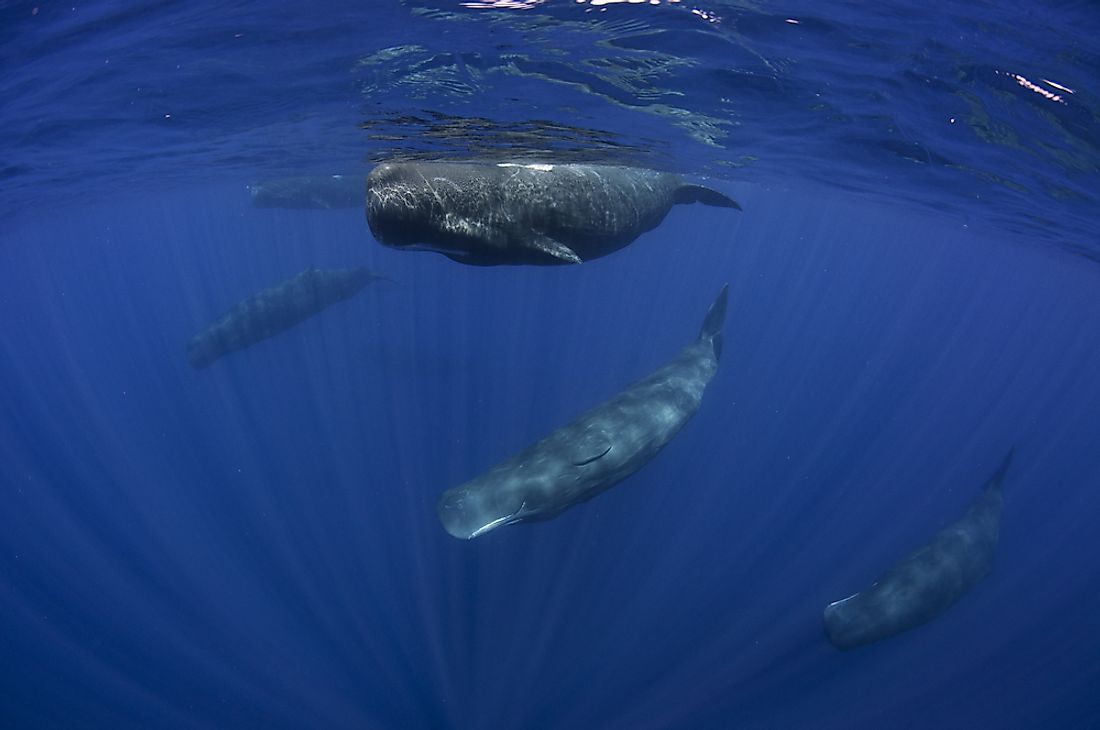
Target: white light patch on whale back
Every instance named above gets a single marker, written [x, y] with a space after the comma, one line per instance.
[505, 4]
[540, 166]
[600, 3]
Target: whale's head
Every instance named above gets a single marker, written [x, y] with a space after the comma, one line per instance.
[403, 207]
[538, 483]
[468, 512]
[276, 194]
[429, 206]
[504, 495]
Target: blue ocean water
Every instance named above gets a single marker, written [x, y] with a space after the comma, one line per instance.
[913, 291]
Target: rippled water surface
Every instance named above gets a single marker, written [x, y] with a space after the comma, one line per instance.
[984, 111]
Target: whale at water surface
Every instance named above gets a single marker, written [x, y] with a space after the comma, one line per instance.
[487, 214]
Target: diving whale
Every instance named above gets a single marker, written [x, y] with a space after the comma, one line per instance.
[487, 214]
[274, 310]
[929, 581]
[594, 452]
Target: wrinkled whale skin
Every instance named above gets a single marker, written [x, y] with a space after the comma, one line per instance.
[522, 213]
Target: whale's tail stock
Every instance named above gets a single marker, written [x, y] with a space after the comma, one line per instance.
[690, 193]
[994, 482]
[716, 317]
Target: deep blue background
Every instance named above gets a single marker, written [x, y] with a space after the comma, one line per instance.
[255, 545]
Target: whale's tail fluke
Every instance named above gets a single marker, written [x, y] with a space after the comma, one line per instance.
[999, 475]
[716, 317]
[689, 193]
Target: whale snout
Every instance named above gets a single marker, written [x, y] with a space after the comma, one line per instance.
[395, 209]
[262, 196]
[468, 513]
[454, 515]
[381, 174]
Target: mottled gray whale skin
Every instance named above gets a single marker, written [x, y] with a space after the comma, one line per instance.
[594, 452]
[321, 191]
[487, 214]
[929, 581]
[275, 310]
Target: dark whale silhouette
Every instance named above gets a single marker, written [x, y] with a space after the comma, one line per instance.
[594, 452]
[522, 213]
[929, 581]
[274, 310]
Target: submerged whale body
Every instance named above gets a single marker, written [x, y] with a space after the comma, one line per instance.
[518, 213]
[320, 191]
[275, 310]
[594, 452]
[929, 581]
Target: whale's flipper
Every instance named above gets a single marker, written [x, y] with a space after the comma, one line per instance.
[557, 249]
[689, 193]
[716, 317]
[999, 475]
